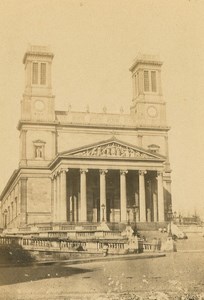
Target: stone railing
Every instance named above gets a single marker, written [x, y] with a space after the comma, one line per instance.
[150, 247]
[104, 119]
[66, 245]
[79, 234]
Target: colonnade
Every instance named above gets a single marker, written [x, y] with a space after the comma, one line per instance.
[59, 186]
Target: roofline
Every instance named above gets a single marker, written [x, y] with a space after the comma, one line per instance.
[145, 61]
[36, 53]
[13, 177]
[9, 182]
[96, 126]
[112, 139]
[61, 155]
[27, 122]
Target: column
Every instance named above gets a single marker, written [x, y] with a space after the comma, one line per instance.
[142, 196]
[155, 210]
[75, 208]
[103, 195]
[58, 198]
[70, 209]
[23, 206]
[167, 168]
[167, 193]
[54, 198]
[137, 207]
[63, 197]
[160, 196]
[83, 217]
[123, 196]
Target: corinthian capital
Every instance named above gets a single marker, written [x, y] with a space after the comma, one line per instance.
[159, 173]
[142, 172]
[83, 171]
[103, 171]
[123, 172]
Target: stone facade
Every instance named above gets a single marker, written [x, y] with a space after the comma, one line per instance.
[89, 167]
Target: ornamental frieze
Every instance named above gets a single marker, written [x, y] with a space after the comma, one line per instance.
[113, 150]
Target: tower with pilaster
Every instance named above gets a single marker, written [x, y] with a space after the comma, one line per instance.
[148, 109]
[148, 106]
[36, 126]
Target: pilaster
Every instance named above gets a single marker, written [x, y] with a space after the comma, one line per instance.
[23, 204]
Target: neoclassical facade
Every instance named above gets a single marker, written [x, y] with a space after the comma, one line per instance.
[85, 167]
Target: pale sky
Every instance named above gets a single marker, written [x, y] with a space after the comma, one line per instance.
[95, 43]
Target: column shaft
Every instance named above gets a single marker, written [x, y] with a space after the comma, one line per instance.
[155, 210]
[103, 195]
[63, 198]
[137, 207]
[83, 217]
[54, 199]
[75, 208]
[160, 197]
[58, 199]
[142, 196]
[70, 209]
[123, 196]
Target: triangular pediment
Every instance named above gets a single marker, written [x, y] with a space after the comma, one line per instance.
[112, 149]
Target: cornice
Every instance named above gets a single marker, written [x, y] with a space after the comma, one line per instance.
[37, 54]
[41, 123]
[145, 62]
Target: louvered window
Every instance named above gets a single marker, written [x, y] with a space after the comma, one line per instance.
[146, 81]
[150, 81]
[35, 73]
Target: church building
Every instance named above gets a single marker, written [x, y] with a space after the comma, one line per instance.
[86, 167]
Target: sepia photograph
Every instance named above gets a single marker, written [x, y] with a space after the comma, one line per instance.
[102, 150]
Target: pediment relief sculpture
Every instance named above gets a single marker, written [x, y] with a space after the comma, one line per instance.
[113, 150]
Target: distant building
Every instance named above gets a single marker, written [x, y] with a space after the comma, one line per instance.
[89, 167]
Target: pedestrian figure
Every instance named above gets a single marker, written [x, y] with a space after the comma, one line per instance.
[105, 249]
[154, 243]
[159, 244]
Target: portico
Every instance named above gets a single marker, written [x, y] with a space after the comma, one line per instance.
[102, 188]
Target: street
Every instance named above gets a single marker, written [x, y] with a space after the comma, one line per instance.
[177, 274]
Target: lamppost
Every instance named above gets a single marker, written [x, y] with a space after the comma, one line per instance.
[170, 214]
[128, 215]
[103, 212]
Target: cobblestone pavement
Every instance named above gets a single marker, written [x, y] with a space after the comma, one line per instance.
[177, 276]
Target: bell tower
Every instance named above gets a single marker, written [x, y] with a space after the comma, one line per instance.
[38, 101]
[148, 106]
